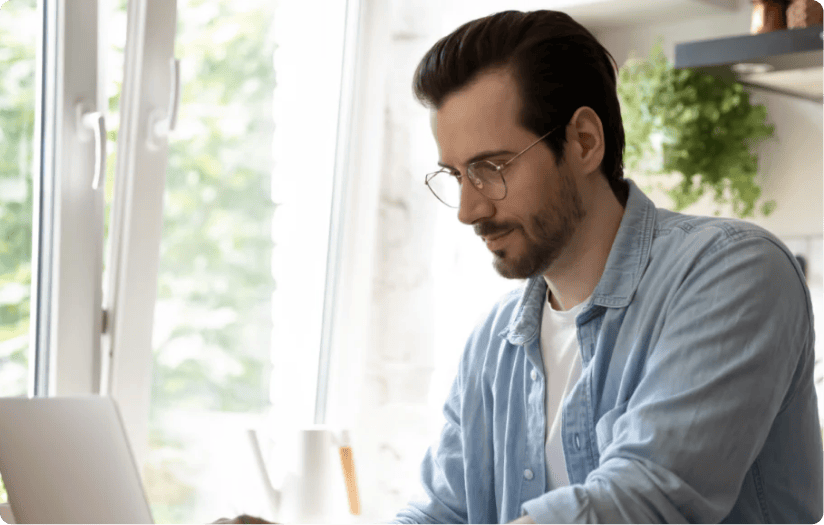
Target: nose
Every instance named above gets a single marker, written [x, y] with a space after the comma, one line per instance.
[474, 206]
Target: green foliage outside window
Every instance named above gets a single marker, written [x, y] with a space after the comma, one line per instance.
[215, 278]
[17, 75]
[17, 97]
[216, 244]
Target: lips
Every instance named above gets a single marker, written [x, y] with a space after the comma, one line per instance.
[495, 236]
[490, 239]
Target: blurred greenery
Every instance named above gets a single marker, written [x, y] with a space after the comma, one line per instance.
[17, 77]
[706, 130]
[213, 313]
[216, 246]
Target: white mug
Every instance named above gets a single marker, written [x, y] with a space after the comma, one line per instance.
[319, 476]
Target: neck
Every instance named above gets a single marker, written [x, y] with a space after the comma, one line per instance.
[575, 274]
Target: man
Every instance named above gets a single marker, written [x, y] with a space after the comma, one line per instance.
[655, 367]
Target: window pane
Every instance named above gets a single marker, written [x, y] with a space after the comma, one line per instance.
[213, 312]
[115, 34]
[17, 107]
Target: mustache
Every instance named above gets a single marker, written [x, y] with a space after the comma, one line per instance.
[485, 229]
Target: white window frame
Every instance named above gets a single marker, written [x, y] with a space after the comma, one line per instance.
[361, 143]
[70, 316]
[67, 283]
[69, 353]
[149, 97]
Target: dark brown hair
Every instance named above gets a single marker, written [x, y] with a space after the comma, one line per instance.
[559, 67]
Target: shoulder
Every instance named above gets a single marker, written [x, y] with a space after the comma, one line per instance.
[720, 256]
[691, 239]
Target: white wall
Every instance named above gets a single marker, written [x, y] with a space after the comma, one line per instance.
[433, 278]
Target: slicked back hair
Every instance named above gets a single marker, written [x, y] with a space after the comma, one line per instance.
[558, 65]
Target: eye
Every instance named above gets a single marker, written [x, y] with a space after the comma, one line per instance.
[485, 171]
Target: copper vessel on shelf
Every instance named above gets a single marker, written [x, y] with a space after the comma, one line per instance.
[768, 15]
[804, 13]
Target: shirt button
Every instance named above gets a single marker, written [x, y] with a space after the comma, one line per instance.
[528, 474]
[577, 442]
[534, 375]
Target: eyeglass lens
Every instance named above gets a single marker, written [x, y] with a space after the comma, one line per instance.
[485, 176]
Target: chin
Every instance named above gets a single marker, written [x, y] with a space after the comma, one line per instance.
[519, 268]
[508, 268]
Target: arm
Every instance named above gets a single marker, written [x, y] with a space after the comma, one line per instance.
[523, 519]
[443, 499]
[736, 332]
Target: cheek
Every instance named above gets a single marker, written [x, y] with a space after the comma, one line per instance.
[530, 196]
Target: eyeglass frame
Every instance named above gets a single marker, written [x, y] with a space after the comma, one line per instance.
[498, 169]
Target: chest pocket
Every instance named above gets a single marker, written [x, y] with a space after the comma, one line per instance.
[604, 427]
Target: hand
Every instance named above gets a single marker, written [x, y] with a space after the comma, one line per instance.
[523, 519]
[243, 518]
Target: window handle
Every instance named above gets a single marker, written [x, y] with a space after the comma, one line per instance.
[93, 123]
[161, 124]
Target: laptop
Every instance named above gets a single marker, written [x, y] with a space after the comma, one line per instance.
[68, 460]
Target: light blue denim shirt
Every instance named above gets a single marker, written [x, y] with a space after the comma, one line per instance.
[696, 402]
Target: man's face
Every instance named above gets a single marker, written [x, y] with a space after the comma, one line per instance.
[530, 228]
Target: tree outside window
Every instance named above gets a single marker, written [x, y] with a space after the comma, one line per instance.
[17, 106]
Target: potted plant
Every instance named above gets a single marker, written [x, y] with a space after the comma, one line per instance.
[694, 124]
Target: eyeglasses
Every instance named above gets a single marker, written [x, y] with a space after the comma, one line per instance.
[486, 176]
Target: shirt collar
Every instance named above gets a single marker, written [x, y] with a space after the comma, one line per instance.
[627, 259]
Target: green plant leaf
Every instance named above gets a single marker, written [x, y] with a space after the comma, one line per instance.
[709, 126]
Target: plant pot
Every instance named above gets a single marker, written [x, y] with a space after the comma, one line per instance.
[767, 15]
[804, 13]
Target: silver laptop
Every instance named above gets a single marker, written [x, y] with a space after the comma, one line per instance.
[68, 460]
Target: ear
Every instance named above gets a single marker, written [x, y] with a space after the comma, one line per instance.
[585, 140]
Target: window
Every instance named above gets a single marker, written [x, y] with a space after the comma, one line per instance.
[247, 206]
[113, 35]
[17, 104]
[17, 108]
[230, 211]
[212, 325]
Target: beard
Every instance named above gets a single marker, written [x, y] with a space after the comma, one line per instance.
[552, 229]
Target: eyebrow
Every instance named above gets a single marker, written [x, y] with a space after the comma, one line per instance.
[480, 156]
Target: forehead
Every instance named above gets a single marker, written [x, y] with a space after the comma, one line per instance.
[482, 116]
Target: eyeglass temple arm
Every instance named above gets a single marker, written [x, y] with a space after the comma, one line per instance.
[530, 146]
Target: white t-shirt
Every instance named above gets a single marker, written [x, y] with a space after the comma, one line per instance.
[562, 369]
